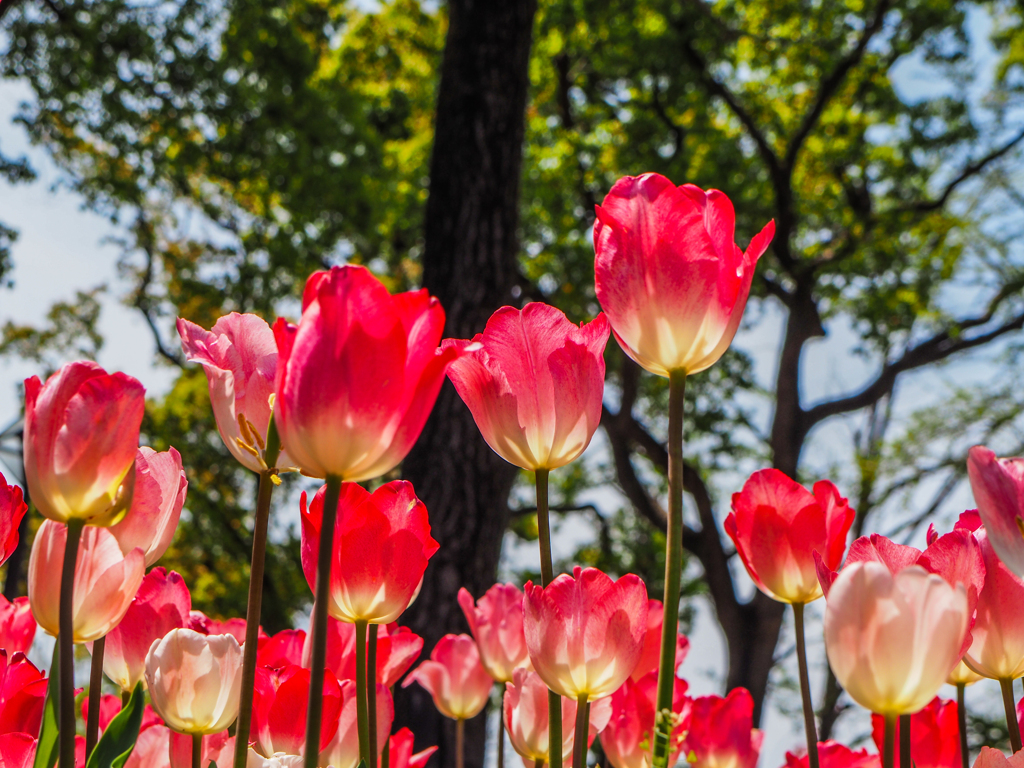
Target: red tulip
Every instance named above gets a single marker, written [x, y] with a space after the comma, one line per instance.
[668, 274]
[934, 735]
[993, 758]
[650, 656]
[343, 751]
[204, 625]
[239, 356]
[160, 487]
[832, 754]
[401, 756]
[777, 525]
[721, 731]
[106, 580]
[162, 603]
[17, 625]
[217, 748]
[381, 546]
[454, 677]
[358, 376]
[17, 750]
[397, 650]
[585, 632]
[279, 710]
[282, 649]
[81, 436]
[12, 509]
[534, 382]
[496, 621]
[998, 486]
[22, 694]
[997, 649]
[626, 740]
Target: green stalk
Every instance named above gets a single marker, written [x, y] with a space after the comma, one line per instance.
[906, 761]
[1011, 714]
[92, 721]
[810, 731]
[197, 750]
[889, 749]
[255, 605]
[961, 713]
[664, 716]
[371, 692]
[547, 574]
[319, 628]
[579, 736]
[66, 639]
[361, 703]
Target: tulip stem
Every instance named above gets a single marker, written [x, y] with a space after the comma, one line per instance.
[66, 639]
[547, 574]
[906, 761]
[961, 714]
[126, 696]
[579, 736]
[810, 731]
[92, 722]
[501, 737]
[197, 750]
[361, 704]
[460, 738]
[663, 717]
[889, 748]
[319, 629]
[255, 605]
[1011, 714]
[371, 692]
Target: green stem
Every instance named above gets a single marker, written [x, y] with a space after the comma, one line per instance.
[664, 717]
[547, 574]
[371, 692]
[319, 629]
[197, 750]
[361, 703]
[1011, 714]
[810, 731]
[66, 638]
[579, 736]
[961, 713]
[889, 749]
[460, 739]
[92, 720]
[906, 761]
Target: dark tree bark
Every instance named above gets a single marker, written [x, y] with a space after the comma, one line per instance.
[469, 263]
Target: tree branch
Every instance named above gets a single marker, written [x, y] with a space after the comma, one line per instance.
[142, 300]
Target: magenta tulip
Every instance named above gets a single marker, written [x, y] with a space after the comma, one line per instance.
[997, 649]
[17, 625]
[398, 648]
[496, 621]
[160, 487]
[998, 486]
[650, 656]
[12, 510]
[721, 731]
[627, 738]
[279, 710]
[454, 677]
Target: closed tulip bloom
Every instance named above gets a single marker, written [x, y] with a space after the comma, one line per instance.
[106, 580]
[963, 675]
[239, 356]
[626, 740]
[161, 604]
[496, 621]
[993, 758]
[534, 382]
[777, 525]
[585, 632]
[650, 656]
[81, 436]
[832, 754]
[722, 733]
[398, 648]
[892, 639]
[343, 749]
[159, 495]
[997, 648]
[357, 377]
[381, 547]
[934, 736]
[194, 680]
[280, 703]
[401, 755]
[17, 625]
[12, 509]
[22, 694]
[998, 486]
[668, 273]
[454, 677]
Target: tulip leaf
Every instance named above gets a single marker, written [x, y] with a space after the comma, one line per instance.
[118, 740]
[47, 750]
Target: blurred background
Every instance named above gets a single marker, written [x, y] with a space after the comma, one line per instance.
[165, 158]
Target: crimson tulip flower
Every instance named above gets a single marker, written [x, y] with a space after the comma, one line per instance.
[381, 547]
[934, 735]
[398, 648]
[454, 677]
[12, 509]
[279, 710]
[81, 437]
[534, 382]
[159, 495]
[17, 750]
[204, 625]
[496, 621]
[22, 694]
[626, 740]
[832, 754]
[17, 625]
[282, 649]
[998, 486]
[343, 749]
[400, 746]
[357, 377]
[722, 733]
[668, 273]
[650, 656]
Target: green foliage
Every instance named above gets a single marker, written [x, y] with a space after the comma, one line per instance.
[118, 740]
[71, 333]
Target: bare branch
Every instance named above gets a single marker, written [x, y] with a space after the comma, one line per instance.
[142, 300]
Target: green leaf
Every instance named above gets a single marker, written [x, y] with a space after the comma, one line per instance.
[118, 740]
[47, 751]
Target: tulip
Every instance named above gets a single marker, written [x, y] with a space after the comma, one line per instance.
[281, 760]
[12, 510]
[17, 750]
[400, 747]
[534, 382]
[343, 749]
[626, 740]
[993, 758]
[17, 625]
[893, 639]
[160, 487]
[204, 625]
[832, 754]
[721, 731]
[22, 694]
[215, 748]
[81, 436]
[650, 656]
[280, 706]
[998, 486]
[397, 649]
[152, 748]
[282, 649]
[454, 677]
[105, 580]
[496, 621]
[194, 680]
[110, 707]
[933, 735]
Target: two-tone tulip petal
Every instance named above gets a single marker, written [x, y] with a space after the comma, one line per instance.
[454, 677]
[496, 621]
[159, 495]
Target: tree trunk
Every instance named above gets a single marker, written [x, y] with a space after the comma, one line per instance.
[469, 263]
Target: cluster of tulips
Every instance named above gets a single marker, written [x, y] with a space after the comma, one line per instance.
[342, 396]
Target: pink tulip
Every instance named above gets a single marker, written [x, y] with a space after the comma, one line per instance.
[650, 656]
[997, 649]
[993, 758]
[343, 750]
[17, 625]
[401, 756]
[12, 510]
[194, 680]
[585, 632]
[280, 704]
[668, 274]
[998, 486]
[832, 754]
[160, 487]
[152, 748]
[17, 750]
[81, 436]
[626, 740]
[110, 707]
[358, 376]
[934, 735]
[162, 603]
[239, 356]
[454, 677]
[22, 694]
[534, 382]
[777, 525]
[398, 648]
[106, 580]
[204, 625]
[381, 546]
[217, 748]
[496, 621]
[282, 649]
[525, 709]
[893, 639]
[721, 731]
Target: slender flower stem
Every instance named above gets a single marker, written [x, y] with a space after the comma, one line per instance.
[579, 736]
[538, 764]
[547, 574]
[906, 761]
[361, 709]
[810, 731]
[319, 628]
[197, 750]
[371, 692]
[961, 713]
[889, 741]
[460, 738]
[126, 696]
[1011, 714]
[66, 639]
[663, 718]
[255, 606]
[501, 737]
[92, 722]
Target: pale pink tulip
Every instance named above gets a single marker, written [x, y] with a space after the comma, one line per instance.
[454, 677]
[998, 486]
[160, 487]
[997, 649]
[12, 510]
[496, 621]
[993, 758]
[343, 750]
[17, 625]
